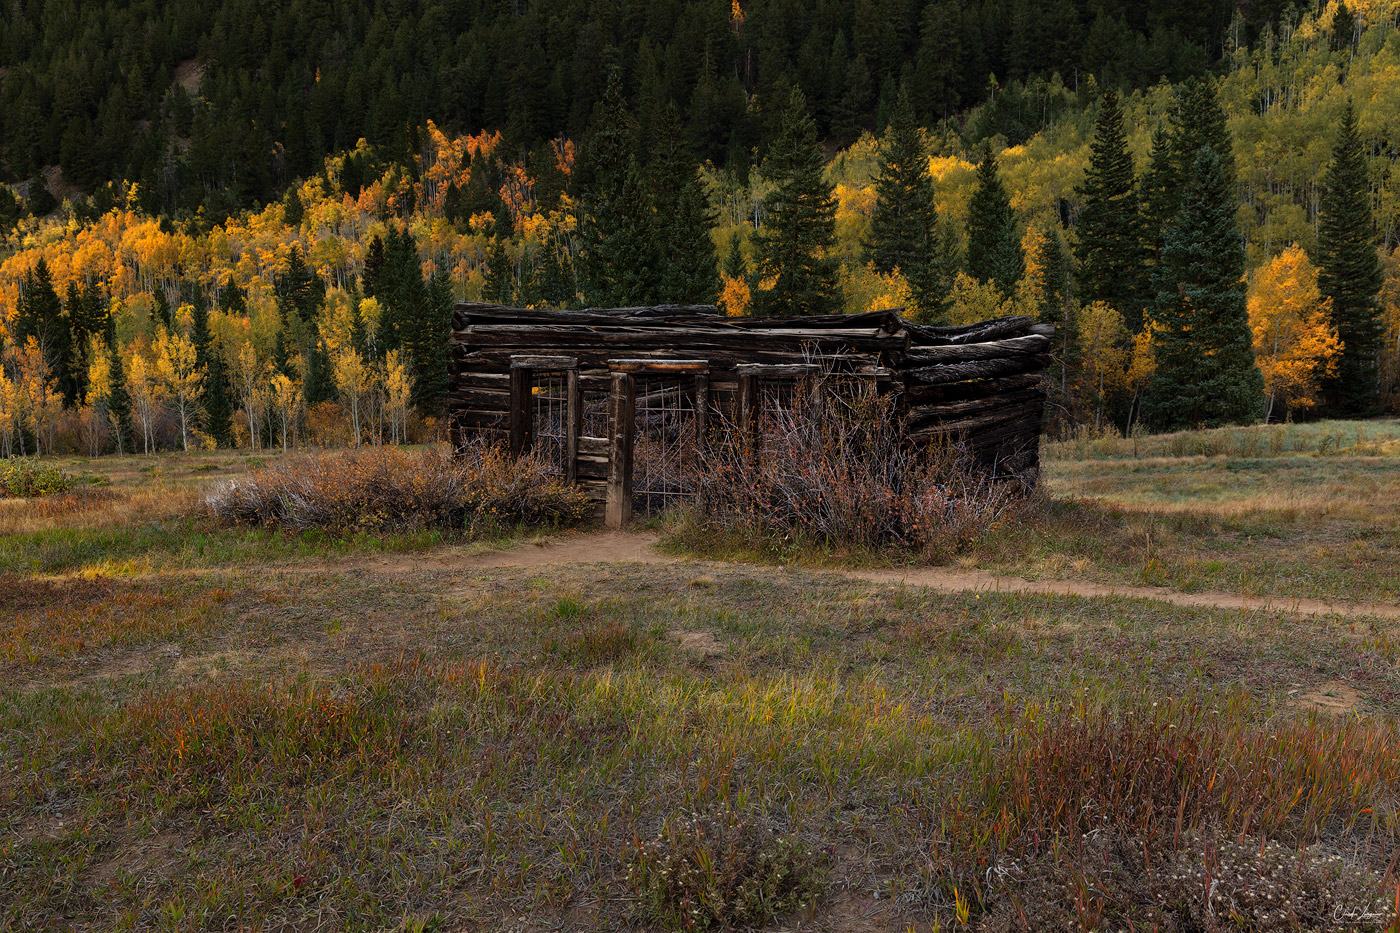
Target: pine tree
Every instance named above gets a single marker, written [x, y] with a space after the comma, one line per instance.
[499, 286]
[689, 271]
[299, 289]
[1112, 257]
[618, 252]
[993, 245]
[431, 343]
[1054, 274]
[1159, 189]
[41, 317]
[232, 299]
[1199, 123]
[119, 402]
[218, 409]
[1205, 357]
[904, 227]
[1349, 271]
[374, 267]
[796, 244]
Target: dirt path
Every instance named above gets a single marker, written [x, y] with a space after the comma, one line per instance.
[614, 547]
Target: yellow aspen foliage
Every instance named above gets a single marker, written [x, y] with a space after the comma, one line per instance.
[735, 297]
[372, 316]
[398, 394]
[891, 291]
[1143, 365]
[40, 401]
[248, 370]
[353, 380]
[99, 372]
[145, 394]
[286, 399]
[9, 414]
[338, 320]
[1102, 339]
[974, 301]
[180, 377]
[1295, 344]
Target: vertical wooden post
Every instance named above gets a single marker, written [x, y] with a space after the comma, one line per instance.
[702, 409]
[522, 410]
[621, 429]
[573, 423]
[748, 413]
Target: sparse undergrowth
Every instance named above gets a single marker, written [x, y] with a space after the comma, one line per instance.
[457, 784]
[197, 733]
[481, 490]
[722, 871]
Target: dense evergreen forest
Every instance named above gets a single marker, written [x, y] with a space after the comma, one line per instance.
[245, 223]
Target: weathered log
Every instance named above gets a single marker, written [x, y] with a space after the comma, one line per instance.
[917, 394]
[920, 415]
[976, 424]
[779, 371]
[643, 366]
[968, 353]
[544, 363]
[984, 369]
[997, 329]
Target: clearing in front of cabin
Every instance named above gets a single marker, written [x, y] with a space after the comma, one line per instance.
[206, 727]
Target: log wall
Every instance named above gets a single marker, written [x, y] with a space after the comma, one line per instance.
[981, 384]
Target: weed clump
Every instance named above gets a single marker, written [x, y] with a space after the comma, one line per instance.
[481, 490]
[834, 468]
[27, 479]
[722, 872]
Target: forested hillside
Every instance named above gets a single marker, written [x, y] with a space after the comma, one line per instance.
[241, 223]
[219, 105]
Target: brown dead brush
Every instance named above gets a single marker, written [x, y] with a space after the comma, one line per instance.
[480, 490]
[835, 468]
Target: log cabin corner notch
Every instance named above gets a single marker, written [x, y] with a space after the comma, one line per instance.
[574, 383]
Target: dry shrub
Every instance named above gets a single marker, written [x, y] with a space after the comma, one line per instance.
[388, 489]
[836, 468]
[722, 872]
[1174, 816]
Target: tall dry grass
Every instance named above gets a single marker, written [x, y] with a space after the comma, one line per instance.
[835, 468]
[480, 490]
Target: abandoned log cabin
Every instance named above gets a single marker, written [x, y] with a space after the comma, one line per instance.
[615, 398]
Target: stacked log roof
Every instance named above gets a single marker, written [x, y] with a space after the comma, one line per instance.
[981, 383]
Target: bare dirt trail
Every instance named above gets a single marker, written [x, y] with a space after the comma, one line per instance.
[615, 547]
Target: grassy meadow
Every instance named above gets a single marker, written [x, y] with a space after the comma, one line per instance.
[211, 728]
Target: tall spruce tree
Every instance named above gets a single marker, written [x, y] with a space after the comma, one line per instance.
[1349, 270]
[1054, 274]
[1159, 188]
[1198, 123]
[993, 242]
[431, 343]
[904, 226]
[499, 286]
[689, 272]
[119, 402]
[218, 409]
[41, 317]
[1205, 357]
[796, 244]
[619, 251]
[1112, 256]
